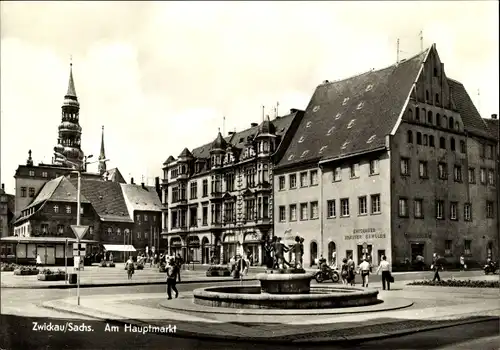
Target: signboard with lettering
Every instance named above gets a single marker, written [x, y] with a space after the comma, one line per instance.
[365, 234]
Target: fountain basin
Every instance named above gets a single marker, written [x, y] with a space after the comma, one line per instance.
[285, 283]
[243, 297]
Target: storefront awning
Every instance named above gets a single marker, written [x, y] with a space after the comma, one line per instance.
[119, 248]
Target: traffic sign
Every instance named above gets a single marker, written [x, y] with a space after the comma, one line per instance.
[79, 249]
[79, 231]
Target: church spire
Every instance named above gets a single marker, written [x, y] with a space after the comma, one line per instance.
[102, 155]
[71, 83]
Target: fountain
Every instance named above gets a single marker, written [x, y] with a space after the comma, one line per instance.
[285, 289]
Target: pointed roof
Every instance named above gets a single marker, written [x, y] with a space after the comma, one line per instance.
[114, 175]
[102, 155]
[266, 128]
[354, 114]
[185, 153]
[493, 126]
[71, 83]
[219, 142]
[169, 160]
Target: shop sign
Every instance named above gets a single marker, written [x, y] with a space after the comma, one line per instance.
[365, 234]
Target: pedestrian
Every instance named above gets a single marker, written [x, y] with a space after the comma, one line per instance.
[38, 260]
[385, 267]
[436, 266]
[334, 259]
[130, 267]
[364, 269]
[344, 271]
[178, 263]
[351, 276]
[462, 263]
[172, 271]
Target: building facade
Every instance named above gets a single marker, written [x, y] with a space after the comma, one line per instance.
[6, 212]
[217, 199]
[394, 162]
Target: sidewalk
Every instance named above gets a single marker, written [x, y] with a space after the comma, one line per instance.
[94, 276]
[432, 309]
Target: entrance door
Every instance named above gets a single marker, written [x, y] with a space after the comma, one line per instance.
[364, 253]
[380, 254]
[332, 248]
[313, 253]
[43, 254]
[417, 249]
[50, 256]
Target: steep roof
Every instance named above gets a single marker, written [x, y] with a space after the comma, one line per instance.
[169, 160]
[493, 127]
[353, 115]
[140, 198]
[185, 153]
[57, 190]
[107, 199]
[114, 175]
[470, 116]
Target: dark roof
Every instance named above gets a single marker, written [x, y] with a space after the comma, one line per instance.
[470, 116]
[107, 199]
[493, 127]
[185, 153]
[114, 175]
[336, 124]
[170, 159]
[57, 190]
[219, 142]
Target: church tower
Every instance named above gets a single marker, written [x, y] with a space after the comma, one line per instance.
[102, 156]
[70, 131]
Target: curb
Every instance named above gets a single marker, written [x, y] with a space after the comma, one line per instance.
[279, 340]
[120, 284]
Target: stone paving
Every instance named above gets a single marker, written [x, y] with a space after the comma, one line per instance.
[432, 308]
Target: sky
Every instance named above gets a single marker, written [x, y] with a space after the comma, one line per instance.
[160, 76]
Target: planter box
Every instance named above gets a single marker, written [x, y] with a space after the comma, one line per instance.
[43, 277]
[18, 272]
[218, 272]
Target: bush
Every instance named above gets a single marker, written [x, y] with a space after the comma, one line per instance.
[49, 275]
[218, 270]
[457, 283]
[25, 270]
[8, 267]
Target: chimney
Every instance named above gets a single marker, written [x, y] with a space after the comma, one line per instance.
[3, 187]
[143, 185]
[254, 125]
[325, 81]
[157, 186]
[132, 181]
[494, 116]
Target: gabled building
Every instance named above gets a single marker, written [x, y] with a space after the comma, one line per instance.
[218, 198]
[394, 162]
[144, 208]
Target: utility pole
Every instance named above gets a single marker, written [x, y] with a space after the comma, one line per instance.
[397, 52]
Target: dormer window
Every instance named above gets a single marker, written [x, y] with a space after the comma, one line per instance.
[330, 131]
[370, 140]
[316, 108]
[322, 149]
[345, 101]
[290, 157]
[344, 146]
[337, 117]
[304, 154]
[369, 87]
[301, 139]
[351, 124]
[360, 105]
[308, 124]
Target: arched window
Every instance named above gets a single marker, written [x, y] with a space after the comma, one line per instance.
[462, 146]
[442, 143]
[451, 123]
[332, 258]
[118, 232]
[435, 72]
[431, 140]
[417, 113]
[452, 144]
[110, 231]
[424, 113]
[438, 119]
[419, 138]
[429, 117]
[444, 122]
[266, 146]
[409, 138]
[437, 99]
[410, 114]
[313, 252]
[427, 95]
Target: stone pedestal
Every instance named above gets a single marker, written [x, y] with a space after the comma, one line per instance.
[285, 283]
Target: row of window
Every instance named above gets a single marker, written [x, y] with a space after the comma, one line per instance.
[418, 209]
[32, 173]
[448, 247]
[441, 121]
[428, 140]
[126, 232]
[311, 178]
[486, 176]
[24, 192]
[145, 216]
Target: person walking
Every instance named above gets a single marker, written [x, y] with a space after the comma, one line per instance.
[436, 266]
[344, 271]
[130, 267]
[172, 271]
[351, 275]
[38, 260]
[178, 262]
[364, 269]
[385, 267]
[462, 263]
